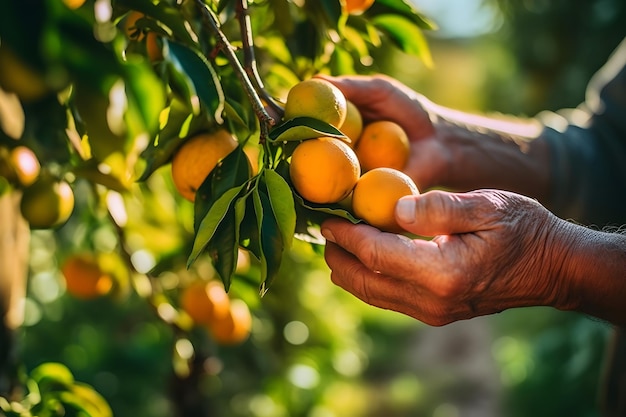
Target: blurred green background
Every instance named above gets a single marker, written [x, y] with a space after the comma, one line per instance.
[315, 351]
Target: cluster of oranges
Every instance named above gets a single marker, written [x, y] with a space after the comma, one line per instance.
[47, 201]
[364, 174]
[228, 320]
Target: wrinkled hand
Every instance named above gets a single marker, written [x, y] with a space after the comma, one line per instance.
[382, 98]
[491, 250]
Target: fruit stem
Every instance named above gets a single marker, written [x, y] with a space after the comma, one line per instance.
[249, 60]
[212, 23]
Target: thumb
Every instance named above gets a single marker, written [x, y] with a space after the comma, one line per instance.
[443, 213]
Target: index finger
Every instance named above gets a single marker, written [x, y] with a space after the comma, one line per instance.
[372, 95]
[387, 253]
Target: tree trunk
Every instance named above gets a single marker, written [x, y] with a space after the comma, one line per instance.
[14, 249]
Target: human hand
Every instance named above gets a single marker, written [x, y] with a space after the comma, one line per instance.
[492, 250]
[453, 149]
[383, 98]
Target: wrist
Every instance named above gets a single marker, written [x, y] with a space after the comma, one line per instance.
[480, 152]
[590, 271]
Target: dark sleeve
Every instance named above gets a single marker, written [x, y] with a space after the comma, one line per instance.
[588, 157]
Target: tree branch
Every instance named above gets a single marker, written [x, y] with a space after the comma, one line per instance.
[211, 21]
[250, 63]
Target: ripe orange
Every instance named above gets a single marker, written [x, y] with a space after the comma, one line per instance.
[358, 6]
[47, 202]
[352, 127]
[376, 194]
[197, 157]
[84, 278]
[383, 144]
[73, 4]
[206, 302]
[318, 99]
[19, 165]
[152, 47]
[324, 170]
[235, 328]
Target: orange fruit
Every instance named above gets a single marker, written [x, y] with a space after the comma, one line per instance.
[358, 6]
[352, 127]
[19, 165]
[84, 278]
[153, 50]
[235, 328]
[383, 144]
[206, 302]
[152, 47]
[197, 157]
[47, 202]
[73, 4]
[375, 196]
[318, 99]
[324, 170]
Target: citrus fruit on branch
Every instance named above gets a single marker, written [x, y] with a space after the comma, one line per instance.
[352, 127]
[324, 170]
[357, 6]
[47, 203]
[375, 196]
[205, 301]
[383, 143]
[236, 327]
[19, 165]
[318, 99]
[84, 278]
[197, 157]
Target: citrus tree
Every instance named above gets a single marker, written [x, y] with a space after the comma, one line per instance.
[148, 139]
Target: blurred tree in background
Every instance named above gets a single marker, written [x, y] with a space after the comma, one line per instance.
[107, 99]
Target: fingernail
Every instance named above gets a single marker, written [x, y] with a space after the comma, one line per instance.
[328, 235]
[405, 210]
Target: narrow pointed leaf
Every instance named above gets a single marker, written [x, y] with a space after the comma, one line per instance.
[211, 221]
[404, 8]
[406, 35]
[202, 79]
[232, 171]
[301, 128]
[270, 239]
[271, 242]
[223, 247]
[282, 203]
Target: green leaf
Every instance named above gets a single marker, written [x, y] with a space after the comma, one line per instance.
[282, 203]
[52, 373]
[145, 94]
[310, 216]
[90, 170]
[406, 35]
[85, 399]
[178, 124]
[200, 78]
[301, 128]
[166, 14]
[223, 247]
[248, 228]
[404, 8]
[270, 239]
[234, 170]
[235, 112]
[159, 152]
[211, 221]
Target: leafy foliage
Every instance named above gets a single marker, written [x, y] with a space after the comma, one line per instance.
[108, 90]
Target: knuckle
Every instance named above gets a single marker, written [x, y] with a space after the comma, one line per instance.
[370, 255]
